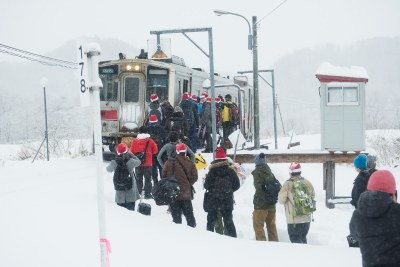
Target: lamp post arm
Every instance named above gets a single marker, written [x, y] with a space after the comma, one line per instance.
[250, 35]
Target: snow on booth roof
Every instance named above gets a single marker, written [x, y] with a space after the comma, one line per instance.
[326, 72]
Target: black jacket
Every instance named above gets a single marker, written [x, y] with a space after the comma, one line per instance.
[221, 182]
[376, 226]
[359, 186]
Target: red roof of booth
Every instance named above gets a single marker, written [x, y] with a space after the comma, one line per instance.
[327, 72]
[330, 78]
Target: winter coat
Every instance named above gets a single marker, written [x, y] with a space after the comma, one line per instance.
[157, 133]
[220, 178]
[170, 151]
[189, 112]
[205, 118]
[185, 174]
[130, 195]
[359, 186]
[139, 144]
[225, 116]
[178, 120]
[262, 175]
[285, 197]
[376, 226]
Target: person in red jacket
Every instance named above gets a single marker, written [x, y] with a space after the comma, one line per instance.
[143, 143]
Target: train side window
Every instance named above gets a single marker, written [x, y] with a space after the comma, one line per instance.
[157, 83]
[131, 89]
[185, 86]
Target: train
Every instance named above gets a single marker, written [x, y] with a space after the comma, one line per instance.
[128, 84]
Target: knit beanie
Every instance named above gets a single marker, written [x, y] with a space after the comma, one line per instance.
[382, 180]
[360, 161]
[261, 159]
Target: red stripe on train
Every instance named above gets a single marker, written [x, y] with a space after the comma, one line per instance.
[109, 115]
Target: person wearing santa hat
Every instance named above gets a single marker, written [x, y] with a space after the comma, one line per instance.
[159, 135]
[124, 164]
[185, 173]
[154, 108]
[298, 225]
[375, 224]
[220, 183]
[205, 128]
[190, 111]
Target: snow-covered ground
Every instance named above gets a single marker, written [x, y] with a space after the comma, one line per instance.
[49, 218]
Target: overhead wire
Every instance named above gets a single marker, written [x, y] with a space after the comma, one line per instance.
[37, 58]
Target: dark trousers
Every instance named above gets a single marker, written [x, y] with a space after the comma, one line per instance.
[155, 169]
[230, 229]
[208, 139]
[182, 206]
[128, 205]
[298, 232]
[144, 171]
[228, 128]
[193, 137]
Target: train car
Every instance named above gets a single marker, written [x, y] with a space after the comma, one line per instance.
[128, 84]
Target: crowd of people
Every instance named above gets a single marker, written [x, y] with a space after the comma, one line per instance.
[167, 144]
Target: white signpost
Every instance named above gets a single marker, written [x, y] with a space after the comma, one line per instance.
[89, 86]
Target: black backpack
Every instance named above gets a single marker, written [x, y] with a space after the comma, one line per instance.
[122, 178]
[166, 190]
[271, 190]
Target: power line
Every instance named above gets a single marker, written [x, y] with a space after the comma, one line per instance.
[37, 58]
[272, 11]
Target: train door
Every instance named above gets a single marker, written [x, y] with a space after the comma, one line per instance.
[132, 109]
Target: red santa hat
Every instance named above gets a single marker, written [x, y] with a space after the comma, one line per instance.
[194, 97]
[121, 149]
[220, 154]
[153, 118]
[208, 99]
[180, 148]
[204, 95]
[294, 168]
[153, 97]
[218, 99]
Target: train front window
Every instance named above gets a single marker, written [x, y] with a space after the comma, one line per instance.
[131, 89]
[157, 83]
[109, 78]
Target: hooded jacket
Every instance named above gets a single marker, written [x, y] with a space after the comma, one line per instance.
[285, 197]
[262, 175]
[359, 186]
[130, 195]
[220, 169]
[185, 174]
[375, 224]
[139, 144]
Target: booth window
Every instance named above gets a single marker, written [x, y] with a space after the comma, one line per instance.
[343, 95]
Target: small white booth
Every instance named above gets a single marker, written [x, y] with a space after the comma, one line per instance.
[342, 94]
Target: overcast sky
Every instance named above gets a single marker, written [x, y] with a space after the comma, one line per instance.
[42, 25]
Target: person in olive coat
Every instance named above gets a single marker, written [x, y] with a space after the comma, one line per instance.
[263, 213]
[220, 183]
[375, 223]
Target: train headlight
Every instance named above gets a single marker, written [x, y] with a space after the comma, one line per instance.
[128, 67]
[136, 67]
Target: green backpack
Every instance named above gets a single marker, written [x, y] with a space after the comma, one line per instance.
[304, 202]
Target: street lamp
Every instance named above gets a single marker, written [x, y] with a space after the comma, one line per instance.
[43, 82]
[249, 37]
[252, 45]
